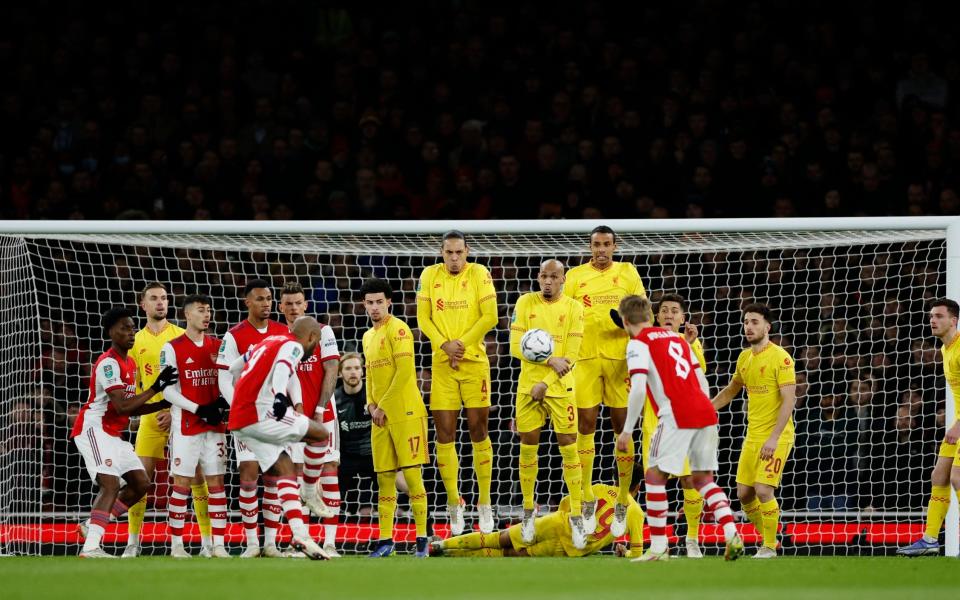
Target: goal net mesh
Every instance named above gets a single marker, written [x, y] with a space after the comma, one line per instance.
[850, 307]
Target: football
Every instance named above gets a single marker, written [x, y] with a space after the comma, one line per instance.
[536, 345]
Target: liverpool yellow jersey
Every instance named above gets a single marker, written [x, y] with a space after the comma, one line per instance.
[391, 370]
[563, 319]
[598, 292]
[456, 307]
[951, 370]
[146, 353]
[763, 374]
[600, 538]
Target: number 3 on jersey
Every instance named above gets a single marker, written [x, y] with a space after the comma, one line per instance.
[675, 350]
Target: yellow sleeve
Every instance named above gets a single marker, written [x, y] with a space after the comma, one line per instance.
[425, 311]
[574, 339]
[785, 371]
[487, 299]
[366, 353]
[697, 348]
[635, 518]
[570, 285]
[638, 289]
[518, 327]
[405, 370]
[736, 371]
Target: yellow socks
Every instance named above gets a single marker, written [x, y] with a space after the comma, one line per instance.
[587, 451]
[473, 541]
[752, 511]
[770, 511]
[529, 462]
[135, 518]
[387, 502]
[625, 472]
[693, 510]
[573, 476]
[200, 495]
[937, 509]
[449, 466]
[483, 467]
[418, 498]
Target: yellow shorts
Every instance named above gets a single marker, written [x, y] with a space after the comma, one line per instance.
[751, 470]
[950, 451]
[550, 529]
[650, 421]
[468, 386]
[399, 445]
[151, 440]
[601, 380]
[533, 415]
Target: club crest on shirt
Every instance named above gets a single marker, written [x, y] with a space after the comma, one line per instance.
[761, 370]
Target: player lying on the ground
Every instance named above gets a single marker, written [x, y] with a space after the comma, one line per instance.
[553, 531]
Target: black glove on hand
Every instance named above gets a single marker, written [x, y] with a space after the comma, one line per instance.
[280, 404]
[210, 414]
[222, 403]
[615, 317]
[168, 376]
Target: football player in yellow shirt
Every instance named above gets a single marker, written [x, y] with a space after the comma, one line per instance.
[546, 389]
[671, 313]
[946, 471]
[154, 429]
[456, 307]
[601, 375]
[553, 532]
[398, 435]
[767, 371]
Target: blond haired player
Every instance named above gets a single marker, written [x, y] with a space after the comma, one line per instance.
[943, 324]
[546, 389]
[553, 532]
[601, 375]
[456, 307]
[767, 371]
[154, 429]
[671, 314]
[399, 433]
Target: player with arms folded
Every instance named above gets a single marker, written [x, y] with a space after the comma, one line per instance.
[153, 431]
[318, 378]
[546, 389]
[661, 365]
[198, 441]
[266, 416]
[671, 314]
[601, 373]
[456, 307]
[553, 532]
[104, 418]
[767, 371]
[943, 325]
[398, 435]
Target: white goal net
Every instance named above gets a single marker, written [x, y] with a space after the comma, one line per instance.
[850, 307]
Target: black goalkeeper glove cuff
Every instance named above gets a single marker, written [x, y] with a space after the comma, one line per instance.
[210, 414]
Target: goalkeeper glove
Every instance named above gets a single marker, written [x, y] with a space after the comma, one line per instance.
[280, 404]
[210, 414]
[168, 376]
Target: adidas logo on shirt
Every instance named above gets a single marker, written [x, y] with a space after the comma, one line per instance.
[190, 360]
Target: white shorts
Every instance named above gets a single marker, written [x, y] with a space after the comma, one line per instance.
[269, 439]
[671, 446]
[241, 451]
[207, 449]
[104, 453]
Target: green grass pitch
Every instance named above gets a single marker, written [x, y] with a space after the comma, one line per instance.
[395, 578]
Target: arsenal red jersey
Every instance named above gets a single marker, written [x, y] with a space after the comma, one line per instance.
[310, 371]
[198, 379]
[253, 395]
[110, 372]
[672, 383]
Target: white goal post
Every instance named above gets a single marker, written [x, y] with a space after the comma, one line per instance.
[852, 290]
